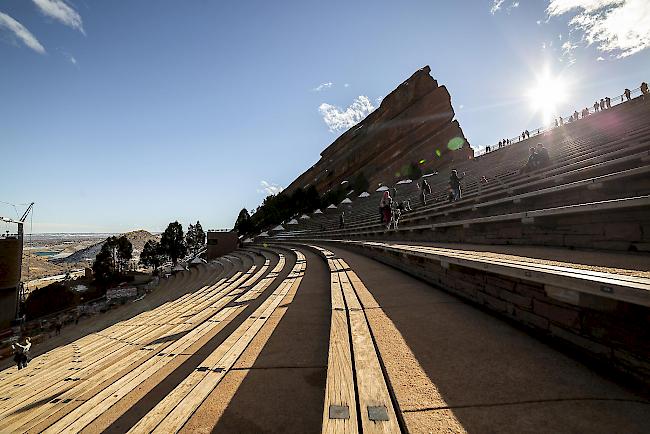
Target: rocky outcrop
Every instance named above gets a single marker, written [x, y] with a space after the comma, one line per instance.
[414, 124]
[138, 239]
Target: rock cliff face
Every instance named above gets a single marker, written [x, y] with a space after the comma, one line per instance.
[413, 125]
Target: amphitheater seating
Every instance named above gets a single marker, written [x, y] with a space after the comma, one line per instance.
[173, 411]
[600, 164]
[594, 197]
[164, 368]
[81, 384]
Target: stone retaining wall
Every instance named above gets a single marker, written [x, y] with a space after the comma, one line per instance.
[615, 334]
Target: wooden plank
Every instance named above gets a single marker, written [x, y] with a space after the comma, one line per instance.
[177, 407]
[377, 412]
[93, 407]
[60, 376]
[100, 351]
[102, 376]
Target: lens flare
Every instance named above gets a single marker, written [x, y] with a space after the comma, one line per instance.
[546, 95]
[455, 144]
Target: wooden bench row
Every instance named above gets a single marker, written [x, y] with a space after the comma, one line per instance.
[106, 357]
[170, 414]
[356, 389]
[635, 290]
[214, 316]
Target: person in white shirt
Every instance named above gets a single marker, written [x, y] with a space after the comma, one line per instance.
[21, 353]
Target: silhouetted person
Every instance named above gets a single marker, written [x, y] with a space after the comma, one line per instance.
[644, 90]
[531, 164]
[628, 94]
[342, 220]
[542, 159]
[596, 106]
[57, 326]
[575, 115]
[487, 148]
[527, 134]
[426, 189]
[404, 205]
[555, 120]
[523, 135]
[608, 102]
[602, 103]
[454, 183]
[585, 112]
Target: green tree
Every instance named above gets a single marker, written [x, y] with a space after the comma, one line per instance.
[152, 255]
[360, 183]
[244, 224]
[113, 258]
[195, 237]
[199, 235]
[103, 268]
[189, 237]
[173, 242]
[124, 251]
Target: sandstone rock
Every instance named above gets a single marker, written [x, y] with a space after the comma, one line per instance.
[414, 123]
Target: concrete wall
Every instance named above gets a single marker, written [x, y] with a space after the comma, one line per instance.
[11, 250]
[612, 333]
[221, 243]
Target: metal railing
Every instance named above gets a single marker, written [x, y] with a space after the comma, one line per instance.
[617, 100]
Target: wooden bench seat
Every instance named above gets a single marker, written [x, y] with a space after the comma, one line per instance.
[353, 361]
[170, 414]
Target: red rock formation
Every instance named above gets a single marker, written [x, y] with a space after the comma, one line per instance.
[414, 123]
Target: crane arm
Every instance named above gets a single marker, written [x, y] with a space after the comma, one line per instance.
[29, 208]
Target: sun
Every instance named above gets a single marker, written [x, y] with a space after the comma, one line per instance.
[547, 94]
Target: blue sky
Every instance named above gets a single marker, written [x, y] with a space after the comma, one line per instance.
[118, 115]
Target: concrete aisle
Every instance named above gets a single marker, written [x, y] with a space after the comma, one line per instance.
[455, 368]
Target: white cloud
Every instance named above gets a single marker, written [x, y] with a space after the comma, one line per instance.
[323, 86]
[620, 26]
[600, 59]
[346, 85]
[62, 12]
[513, 6]
[73, 60]
[269, 188]
[20, 32]
[340, 120]
[496, 6]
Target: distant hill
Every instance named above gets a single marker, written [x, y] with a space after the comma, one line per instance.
[137, 238]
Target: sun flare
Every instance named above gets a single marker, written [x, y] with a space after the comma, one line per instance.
[546, 95]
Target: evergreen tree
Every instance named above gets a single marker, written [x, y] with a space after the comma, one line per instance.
[199, 235]
[189, 237]
[124, 250]
[244, 224]
[173, 243]
[195, 237]
[152, 255]
[112, 258]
